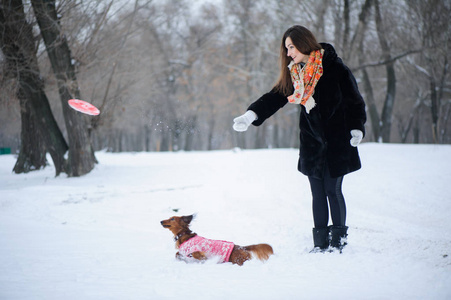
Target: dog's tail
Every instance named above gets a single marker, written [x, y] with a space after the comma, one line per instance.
[260, 251]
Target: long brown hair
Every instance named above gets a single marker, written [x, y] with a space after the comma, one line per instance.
[305, 42]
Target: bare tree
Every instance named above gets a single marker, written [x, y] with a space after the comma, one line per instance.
[81, 155]
[39, 133]
[433, 18]
[381, 124]
[386, 116]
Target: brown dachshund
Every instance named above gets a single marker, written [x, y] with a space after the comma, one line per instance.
[195, 248]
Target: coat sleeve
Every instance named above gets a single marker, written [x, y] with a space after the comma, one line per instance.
[355, 106]
[267, 105]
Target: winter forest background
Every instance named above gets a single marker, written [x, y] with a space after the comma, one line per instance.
[172, 75]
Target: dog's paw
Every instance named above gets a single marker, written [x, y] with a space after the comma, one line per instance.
[199, 255]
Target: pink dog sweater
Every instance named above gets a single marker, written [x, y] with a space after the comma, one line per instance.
[211, 248]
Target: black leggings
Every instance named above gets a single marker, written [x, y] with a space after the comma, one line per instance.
[325, 189]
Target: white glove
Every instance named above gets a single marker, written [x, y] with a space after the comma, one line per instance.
[242, 122]
[357, 137]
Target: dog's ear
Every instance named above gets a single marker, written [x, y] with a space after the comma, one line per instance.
[188, 219]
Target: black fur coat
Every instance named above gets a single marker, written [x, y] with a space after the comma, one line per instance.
[324, 132]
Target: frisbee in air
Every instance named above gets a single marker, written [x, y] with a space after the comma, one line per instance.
[84, 107]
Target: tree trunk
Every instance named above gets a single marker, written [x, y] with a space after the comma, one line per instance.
[434, 110]
[358, 36]
[190, 134]
[386, 117]
[367, 86]
[210, 134]
[32, 149]
[371, 103]
[40, 132]
[81, 154]
[347, 29]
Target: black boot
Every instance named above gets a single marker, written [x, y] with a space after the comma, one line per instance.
[320, 239]
[338, 237]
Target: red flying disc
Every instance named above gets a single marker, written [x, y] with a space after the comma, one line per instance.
[84, 107]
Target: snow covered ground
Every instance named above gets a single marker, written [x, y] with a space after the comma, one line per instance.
[99, 236]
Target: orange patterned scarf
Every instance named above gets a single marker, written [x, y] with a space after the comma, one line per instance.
[311, 73]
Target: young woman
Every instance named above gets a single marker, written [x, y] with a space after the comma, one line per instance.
[331, 125]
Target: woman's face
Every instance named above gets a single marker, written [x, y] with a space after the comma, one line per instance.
[294, 53]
